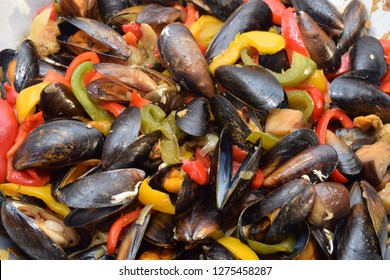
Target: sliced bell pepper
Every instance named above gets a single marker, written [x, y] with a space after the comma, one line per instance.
[332, 114]
[196, 171]
[205, 28]
[267, 139]
[83, 57]
[300, 71]
[130, 39]
[134, 28]
[30, 177]
[52, 9]
[286, 245]
[319, 103]
[113, 107]
[54, 77]
[292, 35]
[301, 100]
[8, 133]
[81, 93]
[28, 99]
[192, 14]
[258, 180]
[317, 80]
[386, 47]
[10, 95]
[237, 248]
[137, 100]
[117, 227]
[385, 83]
[160, 200]
[265, 42]
[41, 192]
[277, 8]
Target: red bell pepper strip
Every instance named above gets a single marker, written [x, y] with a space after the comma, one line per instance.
[385, 83]
[204, 160]
[277, 8]
[386, 47]
[10, 95]
[336, 176]
[8, 132]
[238, 154]
[134, 28]
[137, 100]
[52, 8]
[116, 229]
[192, 14]
[85, 56]
[112, 107]
[292, 35]
[319, 102]
[130, 39]
[332, 114]
[196, 171]
[344, 67]
[54, 77]
[30, 177]
[258, 180]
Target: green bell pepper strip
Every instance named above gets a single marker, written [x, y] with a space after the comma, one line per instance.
[267, 139]
[300, 71]
[286, 245]
[80, 92]
[301, 100]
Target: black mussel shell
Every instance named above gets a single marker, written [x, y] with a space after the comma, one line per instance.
[184, 60]
[107, 9]
[253, 15]
[58, 101]
[98, 252]
[104, 189]
[222, 9]
[160, 230]
[252, 85]
[123, 132]
[357, 97]
[355, 137]
[321, 47]
[155, 14]
[190, 194]
[367, 54]
[276, 62]
[59, 143]
[27, 67]
[194, 117]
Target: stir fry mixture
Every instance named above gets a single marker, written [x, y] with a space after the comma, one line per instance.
[195, 130]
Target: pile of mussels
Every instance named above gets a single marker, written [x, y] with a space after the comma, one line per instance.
[200, 134]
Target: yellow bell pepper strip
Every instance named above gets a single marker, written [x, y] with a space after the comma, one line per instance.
[265, 43]
[300, 71]
[42, 192]
[205, 28]
[237, 248]
[301, 100]
[28, 99]
[160, 201]
[317, 80]
[102, 126]
[81, 93]
[267, 139]
[286, 245]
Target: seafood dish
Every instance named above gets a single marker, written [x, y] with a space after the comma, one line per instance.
[196, 130]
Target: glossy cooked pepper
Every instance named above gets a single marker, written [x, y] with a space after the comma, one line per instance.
[300, 71]
[292, 35]
[31, 176]
[8, 132]
[267, 139]
[319, 102]
[277, 8]
[81, 93]
[301, 100]
[265, 42]
[41, 192]
[205, 28]
[117, 227]
[160, 201]
[196, 171]
[237, 248]
[28, 99]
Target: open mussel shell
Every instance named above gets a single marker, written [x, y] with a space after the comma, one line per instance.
[348, 162]
[367, 54]
[354, 19]
[190, 194]
[289, 146]
[317, 162]
[226, 115]
[39, 233]
[133, 235]
[87, 8]
[252, 85]
[59, 143]
[358, 97]
[252, 15]
[123, 132]
[221, 9]
[58, 101]
[194, 117]
[321, 47]
[155, 14]
[107, 9]
[116, 46]
[107, 188]
[355, 137]
[184, 60]
[27, 67]
[13, 252]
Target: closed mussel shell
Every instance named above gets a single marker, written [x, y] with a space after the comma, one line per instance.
[193, 118]
[107, 188]
[27, 67]
[59, 143]
[124, 131]
[253, 85]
